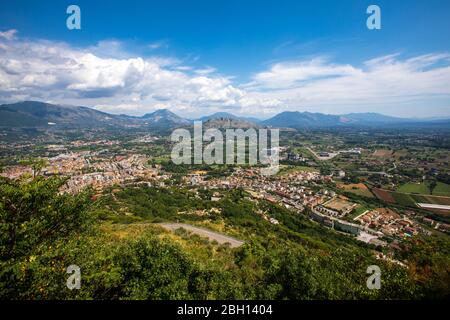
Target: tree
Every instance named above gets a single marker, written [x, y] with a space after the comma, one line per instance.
[36, 164]
[34, 212]
[432, 186]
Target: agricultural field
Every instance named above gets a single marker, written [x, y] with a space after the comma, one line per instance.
[384, 195]
[421, 188]
[431, 199]
[285, 170]
[441, 189]
[409, 199]
[382, 153]
[404, 199]
[339, 205]
[398, 154]
[359, 189]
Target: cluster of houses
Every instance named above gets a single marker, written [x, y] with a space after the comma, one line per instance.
[390, 223]
[86, 168]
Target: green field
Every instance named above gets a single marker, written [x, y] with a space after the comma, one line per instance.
[404, 199]
[441, 189]
[411, 199]
[305, 152]
[358, 189]
[421, 188]
[358, 211]
[293, 169]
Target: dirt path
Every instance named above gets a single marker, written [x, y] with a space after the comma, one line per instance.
[211, 235]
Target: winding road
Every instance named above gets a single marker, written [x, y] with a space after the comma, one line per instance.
[211, 235]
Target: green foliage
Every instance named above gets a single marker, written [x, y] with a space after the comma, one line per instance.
[43, 232]
[429, 263]
[151, 203]
[36, 164]
[32, 213]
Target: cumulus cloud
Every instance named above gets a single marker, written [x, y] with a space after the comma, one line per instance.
[108, 77]
[386, 81]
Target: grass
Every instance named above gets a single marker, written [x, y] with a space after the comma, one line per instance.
[358, 189]
[305, 152]
[441, 189]
[421, 188]
[160, 159]
[293, 169]
[382, 153]
[410, 200]
[404, 199]
[432, 199]
[360, 209]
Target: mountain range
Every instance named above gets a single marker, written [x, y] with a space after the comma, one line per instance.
[295, 119]
[40, 114]
[227, 115]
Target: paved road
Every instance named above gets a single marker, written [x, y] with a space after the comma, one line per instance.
[331, 155]
[211, 235]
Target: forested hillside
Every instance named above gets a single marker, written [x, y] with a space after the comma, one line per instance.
[124, 255]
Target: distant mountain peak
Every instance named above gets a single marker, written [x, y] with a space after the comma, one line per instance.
[227, 115]
[314, 120]
[40, 114]
[164, 116]
[161, 112]
[229, 123]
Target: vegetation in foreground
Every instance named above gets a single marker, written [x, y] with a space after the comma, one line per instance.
[43, 232]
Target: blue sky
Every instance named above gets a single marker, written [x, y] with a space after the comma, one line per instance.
[246, 57]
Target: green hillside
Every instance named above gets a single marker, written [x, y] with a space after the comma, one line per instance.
[123, 255]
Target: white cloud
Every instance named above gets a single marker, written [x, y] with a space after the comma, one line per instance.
[107, 76]
[9, 34]
[205, 71]
[293, 73]
[387, 82]
[158, 45]
[183, 68]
